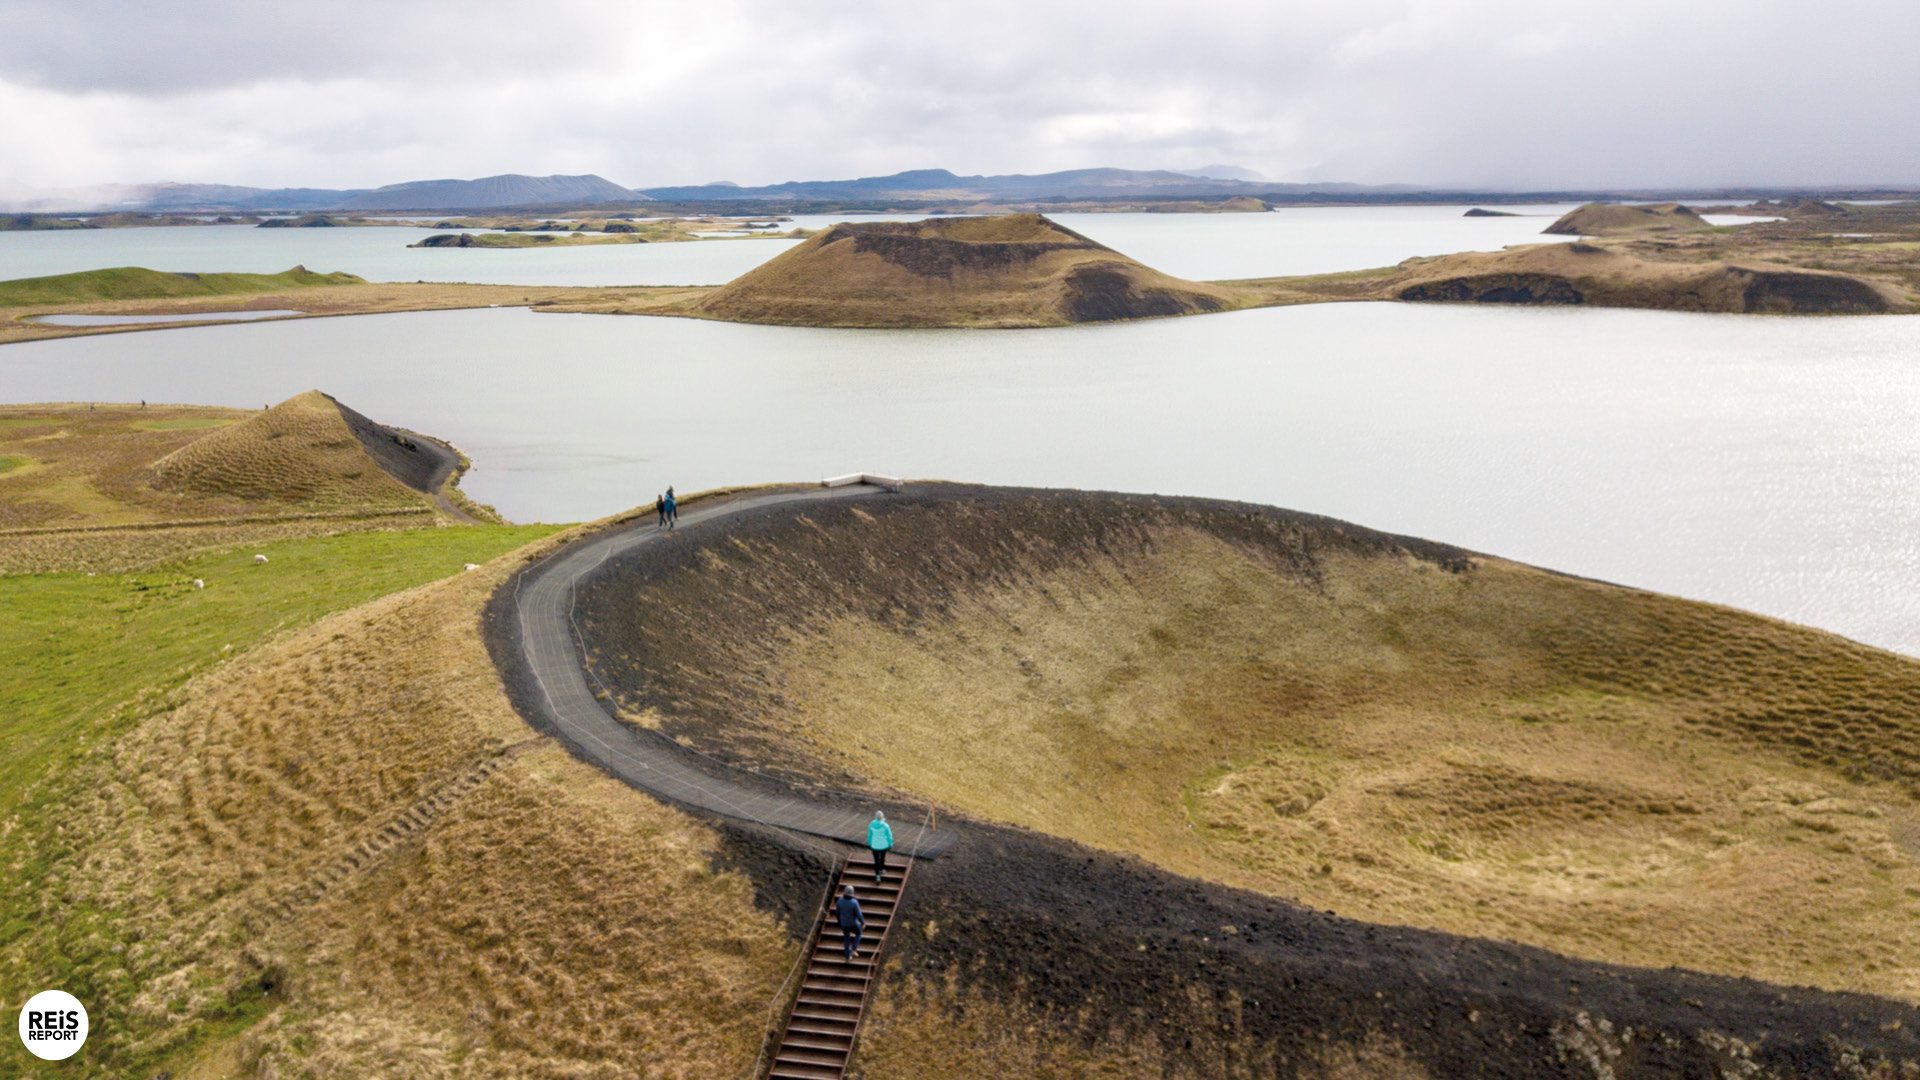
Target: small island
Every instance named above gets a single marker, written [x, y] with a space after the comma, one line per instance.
[509, 233]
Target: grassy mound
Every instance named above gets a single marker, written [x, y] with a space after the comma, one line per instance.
[1012, 270]
[117, 487]
[1386, 728]
[1589, 274]
[343, 854]
[307, 451]
[1613, 219]
[138, 283]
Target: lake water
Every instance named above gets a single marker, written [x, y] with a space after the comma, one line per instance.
[377, 253]
[1305, 240]
[139, 320]
[1768, 463]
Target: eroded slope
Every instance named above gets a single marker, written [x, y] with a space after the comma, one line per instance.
[1386, 728]
[1013, 270]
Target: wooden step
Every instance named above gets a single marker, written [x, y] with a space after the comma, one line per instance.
[787, 1070]
[836, 978]
[823, 1059]
[828, 1013]
[832, 986]
[820, 1029]
[820, 1044]
[818, 1036]
[815, 999]
[860, 967]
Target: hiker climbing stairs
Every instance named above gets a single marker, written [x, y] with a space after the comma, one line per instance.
[817, 1040]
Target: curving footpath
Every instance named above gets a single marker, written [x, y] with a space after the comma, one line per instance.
[562, 701]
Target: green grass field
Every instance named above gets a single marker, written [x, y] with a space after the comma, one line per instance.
[76, 647]
[139, 283]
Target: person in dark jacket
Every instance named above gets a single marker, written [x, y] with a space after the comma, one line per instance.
[852, 921]
[660, 508]
[879, 841]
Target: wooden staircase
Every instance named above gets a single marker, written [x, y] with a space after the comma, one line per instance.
[817, 1040]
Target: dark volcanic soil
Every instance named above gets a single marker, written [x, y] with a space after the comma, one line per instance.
[696, 655]
[1239, 984]
[1232, 983]
[418, 461]
[932, 256]
[1100, 293]
[1792, 292]
[1496, 289]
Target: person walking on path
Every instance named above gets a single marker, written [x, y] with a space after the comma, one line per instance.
[879, 840]
[673, 511]
[660, 508]
[853, 921]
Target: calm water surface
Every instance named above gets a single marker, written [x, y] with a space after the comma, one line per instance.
[1766, 463]
[138, 320]
[1307, 240]
[377, 253]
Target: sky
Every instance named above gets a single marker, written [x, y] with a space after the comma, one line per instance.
[1459, 93]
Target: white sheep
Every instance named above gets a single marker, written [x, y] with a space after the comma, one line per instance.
[259, 558]
[199, 584]
[471, 566]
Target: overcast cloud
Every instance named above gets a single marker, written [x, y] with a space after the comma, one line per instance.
[354, 93]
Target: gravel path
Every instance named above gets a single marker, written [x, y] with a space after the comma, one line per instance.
[560, 698]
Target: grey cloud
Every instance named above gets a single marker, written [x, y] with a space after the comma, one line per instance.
[1476, 92]
[171, 46]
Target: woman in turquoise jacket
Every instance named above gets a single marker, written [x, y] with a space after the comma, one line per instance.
[879, 839]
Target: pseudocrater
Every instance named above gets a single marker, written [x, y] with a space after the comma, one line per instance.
[1386, 727]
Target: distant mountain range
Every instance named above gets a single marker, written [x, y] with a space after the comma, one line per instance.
[489, 193]
[917, 188]
[171, 197]
[513, 191]
[927, 185]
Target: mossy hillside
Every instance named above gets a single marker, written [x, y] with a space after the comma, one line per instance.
[139, 283]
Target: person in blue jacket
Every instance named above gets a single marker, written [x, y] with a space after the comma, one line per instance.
[852, 921]
[879, 841]
[673, 510]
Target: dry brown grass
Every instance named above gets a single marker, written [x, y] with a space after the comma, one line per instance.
[1503, 752]
[299, 453]
[86, 465]
[225, 879]
[1853, 260]
[1006, 271]
[112, 487]
[368, 299]
[101, 550]
[1612, 276]
[1611, 219]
